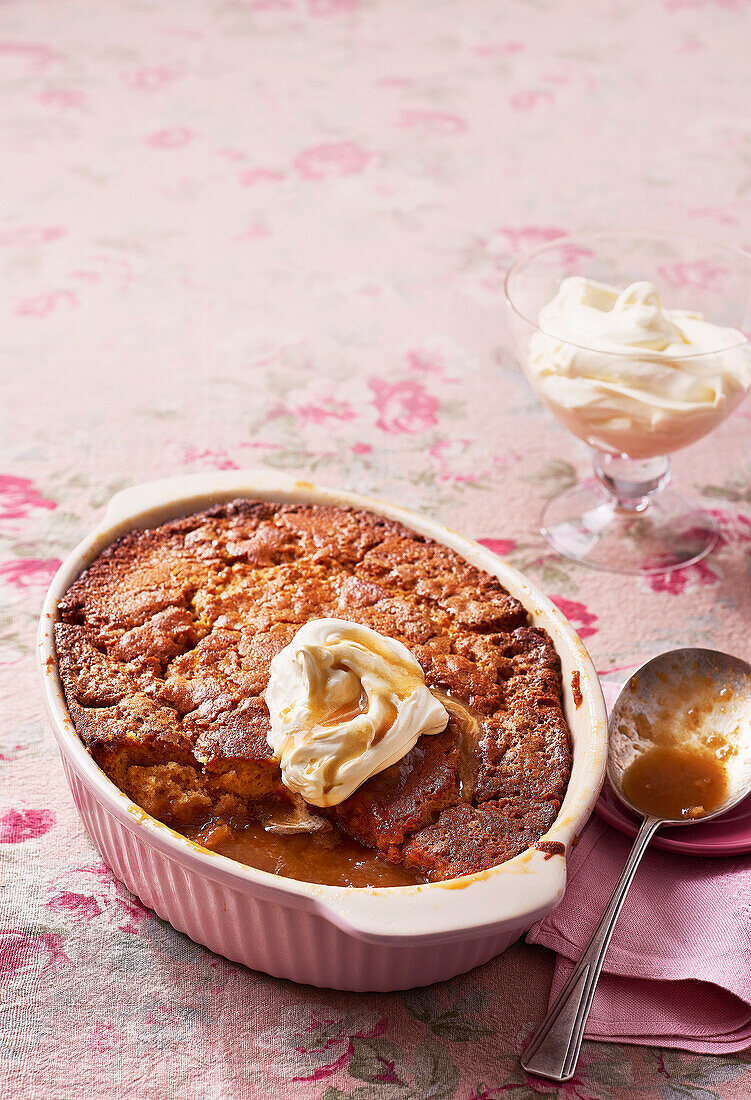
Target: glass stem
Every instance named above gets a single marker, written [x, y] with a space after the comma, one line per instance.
[631, 482]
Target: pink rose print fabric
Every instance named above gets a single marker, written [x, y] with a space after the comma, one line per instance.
[343, 158]
[19, 497]
[403, 407]
[26, 956]
[26, 572]
[274, 233]
[16, 826]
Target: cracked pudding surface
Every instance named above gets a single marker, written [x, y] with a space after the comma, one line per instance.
[164, 647]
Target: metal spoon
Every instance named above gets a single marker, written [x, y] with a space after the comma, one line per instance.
[696, 693]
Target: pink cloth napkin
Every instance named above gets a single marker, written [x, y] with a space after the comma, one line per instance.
[678, 971]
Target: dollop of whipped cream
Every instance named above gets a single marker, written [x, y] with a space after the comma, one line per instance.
[345, 703]
[623, 372]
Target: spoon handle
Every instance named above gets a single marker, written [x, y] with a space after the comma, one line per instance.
[554, 1050]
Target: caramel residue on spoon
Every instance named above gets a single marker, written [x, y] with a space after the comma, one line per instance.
[680, 769]
[676, 781]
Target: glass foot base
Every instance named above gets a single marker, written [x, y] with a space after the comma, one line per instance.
[584, 525]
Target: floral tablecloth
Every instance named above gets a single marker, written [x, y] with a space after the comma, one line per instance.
[243, 232]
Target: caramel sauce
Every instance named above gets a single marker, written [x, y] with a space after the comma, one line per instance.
[348, 712]
[328, 856]
[576, 689]
[341, 862]
[471, 732]
[550, 848]
[680, 772]
[676, 781]
[391, 714]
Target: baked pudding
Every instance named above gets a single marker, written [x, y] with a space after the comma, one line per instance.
[165, 646]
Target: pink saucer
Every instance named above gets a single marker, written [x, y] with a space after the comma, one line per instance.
[729, 835]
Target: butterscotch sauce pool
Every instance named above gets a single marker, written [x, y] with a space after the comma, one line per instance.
[676, 781]
[681, 737]
[344, 862]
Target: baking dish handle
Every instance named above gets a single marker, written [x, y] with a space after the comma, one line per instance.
[514, 894]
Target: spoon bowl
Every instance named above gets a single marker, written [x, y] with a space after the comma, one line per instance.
[694, 699]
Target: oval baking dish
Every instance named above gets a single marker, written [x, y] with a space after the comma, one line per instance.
[333, 936]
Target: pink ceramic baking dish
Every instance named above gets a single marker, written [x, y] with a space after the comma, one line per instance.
[343, 938]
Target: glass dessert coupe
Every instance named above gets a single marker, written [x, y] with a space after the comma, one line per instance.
[630, 391]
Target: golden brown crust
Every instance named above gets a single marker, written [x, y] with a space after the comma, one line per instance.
[164, 650]
[467, 838]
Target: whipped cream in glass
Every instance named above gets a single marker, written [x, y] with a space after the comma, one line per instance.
[345, 703]
[628, 375]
